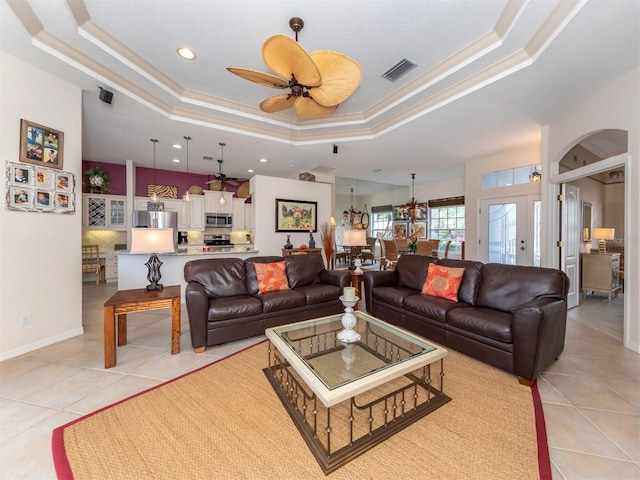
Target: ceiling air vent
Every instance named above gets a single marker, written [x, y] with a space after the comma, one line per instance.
[398, 70]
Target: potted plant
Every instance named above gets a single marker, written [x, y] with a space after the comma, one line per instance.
[98, 178]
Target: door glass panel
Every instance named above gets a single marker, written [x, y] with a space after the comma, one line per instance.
[502, 233]
[537, 208]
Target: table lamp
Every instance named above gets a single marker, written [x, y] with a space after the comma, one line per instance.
[602, 235]
[355, 239]
[153, 241]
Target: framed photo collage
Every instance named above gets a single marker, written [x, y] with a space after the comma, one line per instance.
[39, 189]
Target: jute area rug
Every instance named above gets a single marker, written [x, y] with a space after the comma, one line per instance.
[224, 421]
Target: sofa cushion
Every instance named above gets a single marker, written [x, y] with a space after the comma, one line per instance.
[237, 306]
[272, 277]
[304, 269]
[506, 287]
[320, 293]
[277, 301]
[443, 282]
[392, 295]
[252, 279]
[483, 321]
[470, 280]
[435, 308]
[220, 277]
[412, 270]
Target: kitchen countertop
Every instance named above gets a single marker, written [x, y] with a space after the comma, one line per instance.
[198, 251]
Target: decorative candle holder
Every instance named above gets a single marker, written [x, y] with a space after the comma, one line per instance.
[358, 264]
[348, 335]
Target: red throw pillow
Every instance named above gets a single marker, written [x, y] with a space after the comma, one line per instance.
[443, 282]
[272, 277]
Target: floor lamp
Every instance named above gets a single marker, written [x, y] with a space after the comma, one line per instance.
[153, 241]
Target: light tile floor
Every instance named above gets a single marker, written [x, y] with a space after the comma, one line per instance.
[591, 395]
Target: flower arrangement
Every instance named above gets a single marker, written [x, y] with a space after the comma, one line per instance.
[326, 237]
[98, 178]
[412, 242]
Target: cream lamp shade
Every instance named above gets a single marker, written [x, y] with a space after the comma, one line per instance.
[602, 235]
[354, 238]
[153, 241]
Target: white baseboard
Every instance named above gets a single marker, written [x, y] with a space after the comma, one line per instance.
[45, 342]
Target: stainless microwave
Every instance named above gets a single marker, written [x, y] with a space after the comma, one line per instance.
[223, 220]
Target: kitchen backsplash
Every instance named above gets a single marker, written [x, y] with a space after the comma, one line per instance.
[105, 239]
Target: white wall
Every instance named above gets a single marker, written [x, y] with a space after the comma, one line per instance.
[616, 107]
[40, 254]
[265, 190]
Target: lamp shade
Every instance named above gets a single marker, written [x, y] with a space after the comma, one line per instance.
[604, 233]
[151, 240]
[354, 238]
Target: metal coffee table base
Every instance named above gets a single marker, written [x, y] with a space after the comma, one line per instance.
[335, 435]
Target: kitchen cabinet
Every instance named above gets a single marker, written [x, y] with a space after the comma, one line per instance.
[104, 212]
[248, 216]
[238, 214]
[196, 213]
[110, 267]
[601, 273]
[211, 204]
[190, 214]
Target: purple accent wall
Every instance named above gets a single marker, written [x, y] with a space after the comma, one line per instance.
[146, 176]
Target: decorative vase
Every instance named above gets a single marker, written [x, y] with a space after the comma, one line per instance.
[349, 320]
[312, 241]
[288, 245]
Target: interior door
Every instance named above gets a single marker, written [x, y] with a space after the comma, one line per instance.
[569, 236]
[509, 230]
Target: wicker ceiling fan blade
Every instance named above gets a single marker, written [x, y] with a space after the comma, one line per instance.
[308, 107]
[287, 58]
[341, 76]
[265, 79]
[277, 103]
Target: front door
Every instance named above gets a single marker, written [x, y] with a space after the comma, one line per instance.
[510, 230]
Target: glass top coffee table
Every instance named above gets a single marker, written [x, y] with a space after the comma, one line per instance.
[346, 398]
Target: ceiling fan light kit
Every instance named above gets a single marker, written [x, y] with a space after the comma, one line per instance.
[318, 82]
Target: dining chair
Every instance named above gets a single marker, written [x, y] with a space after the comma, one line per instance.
[369, 252]
[401, 244]
[390, 253]
[446, 249]
[91, 262]
[427, 247]
[462, 250]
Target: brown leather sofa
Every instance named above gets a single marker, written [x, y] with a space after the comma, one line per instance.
[511, 317]
[224, 305]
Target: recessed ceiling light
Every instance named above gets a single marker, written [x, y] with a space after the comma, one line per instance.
[263, 160]
[187, 53]
[250, 170]
[176, 160]
[176, 145]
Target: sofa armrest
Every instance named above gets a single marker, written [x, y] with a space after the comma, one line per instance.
[197, 302]
[539, 329]
[379, 278]
[340, 278]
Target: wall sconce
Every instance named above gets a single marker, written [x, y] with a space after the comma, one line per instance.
[602, 235]
[536, 175]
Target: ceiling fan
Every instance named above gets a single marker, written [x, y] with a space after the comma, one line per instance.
[318, 82]
[220, 177]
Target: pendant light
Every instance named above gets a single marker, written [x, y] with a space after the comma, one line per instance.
[186, 197]
[154, 197]
[412, 205]
[221, 199]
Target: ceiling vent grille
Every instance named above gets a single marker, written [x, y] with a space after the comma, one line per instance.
[399, 69]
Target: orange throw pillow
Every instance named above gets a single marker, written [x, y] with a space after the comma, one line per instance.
[272, 277]
[443, 282]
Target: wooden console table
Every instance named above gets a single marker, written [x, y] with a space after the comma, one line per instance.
[301, 251]
[139, 300]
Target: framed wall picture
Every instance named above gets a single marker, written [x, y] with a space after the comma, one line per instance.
[400, 229]
[21, 175]
[39, 189]
[419, 229]
[296, 216]
[41, 145]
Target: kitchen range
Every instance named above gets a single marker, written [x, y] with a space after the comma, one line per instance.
[218, 242]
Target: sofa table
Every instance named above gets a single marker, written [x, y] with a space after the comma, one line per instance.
[139, 300]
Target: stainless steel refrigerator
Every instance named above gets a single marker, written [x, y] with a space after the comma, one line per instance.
[146, 219]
